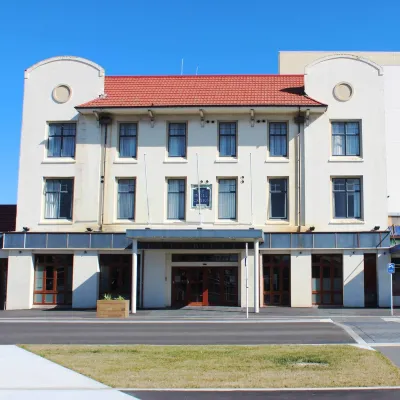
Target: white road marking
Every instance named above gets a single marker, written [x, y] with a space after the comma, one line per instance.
[392, 320]
[182, 321]
[354, 335]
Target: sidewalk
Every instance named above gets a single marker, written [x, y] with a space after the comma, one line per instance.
[217, 313]
[23, 375]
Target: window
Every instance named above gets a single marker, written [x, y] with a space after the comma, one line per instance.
[278, 198]
[176, 199]
[227, 139]
[278, 139]
[345, 138]
[227, 199]
[126, 199]
[58, 198]
[53, 279]
[346, 198]
[127, 140]
[177, 139]
[61, 142]
[327, 279]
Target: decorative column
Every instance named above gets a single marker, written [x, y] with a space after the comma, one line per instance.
[134, 276]
[256, 278]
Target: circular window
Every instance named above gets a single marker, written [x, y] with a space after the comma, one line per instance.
[343, 91]
[61, 93]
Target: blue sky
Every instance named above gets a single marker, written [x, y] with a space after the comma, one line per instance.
[151, 37]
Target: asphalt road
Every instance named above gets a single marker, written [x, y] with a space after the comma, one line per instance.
[279, 395]
[179, 333]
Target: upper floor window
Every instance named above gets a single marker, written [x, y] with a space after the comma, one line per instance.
[61, 142]
[345, 138]
[278, 139]
[346, 198]
[176, 199]
[126, 199]
[227, 139]
[128, 140]
[177, 139]
[58, 198]
[278, 203]
[227, 199]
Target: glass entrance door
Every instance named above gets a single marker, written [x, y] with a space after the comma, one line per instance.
[199, 286]
[276, 270]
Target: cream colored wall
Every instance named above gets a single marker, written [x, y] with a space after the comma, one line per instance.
[367, 106]
[300, 279]
[294, 62]
[86, 81]
[20, 280]
[353, 278]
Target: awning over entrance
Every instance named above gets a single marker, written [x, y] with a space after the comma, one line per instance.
[242, 235]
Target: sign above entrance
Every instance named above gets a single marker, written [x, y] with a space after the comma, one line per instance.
[205, 196]
[391, 268]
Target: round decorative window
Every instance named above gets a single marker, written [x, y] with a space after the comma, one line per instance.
[343, 91]
[61, 93]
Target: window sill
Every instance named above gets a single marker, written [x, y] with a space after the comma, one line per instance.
[55, 222]
[277, 222]
[125, 161]
[123, 222]
[175, 161]
[175, 221]
[345, 159]
[58, 160]
[349, 221]
[226, 160]
[226, 222]
[277, 160]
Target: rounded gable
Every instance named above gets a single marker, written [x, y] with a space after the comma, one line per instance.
[374, 65]
[65, 58]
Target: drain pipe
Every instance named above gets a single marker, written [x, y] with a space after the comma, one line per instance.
[299, 119]
[104, 120]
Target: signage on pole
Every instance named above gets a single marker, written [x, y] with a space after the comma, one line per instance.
[391, 268]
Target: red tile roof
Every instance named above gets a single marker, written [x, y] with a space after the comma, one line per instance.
[8, 216]
[203, 90]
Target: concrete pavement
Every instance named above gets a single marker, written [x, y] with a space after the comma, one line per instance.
[23, 374]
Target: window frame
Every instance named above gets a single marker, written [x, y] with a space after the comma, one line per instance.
[286, 136]
[62, 136]
[270, 217]
[345, 122]
[236, 136]
[346, 178]
[184, 197]
[219, 179]
[185, 136]
[134, 198]
[45, 180]
[121, 123]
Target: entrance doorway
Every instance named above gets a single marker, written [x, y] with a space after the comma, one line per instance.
[3, 282]
[204, 286]
[370, 281]
[276, 272]
[53, 280]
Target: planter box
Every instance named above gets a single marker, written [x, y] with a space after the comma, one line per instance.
[112, 309]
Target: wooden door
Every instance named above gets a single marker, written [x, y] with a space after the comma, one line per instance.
[276, 271]
[221, 286]
[370, 283]
[3, 282]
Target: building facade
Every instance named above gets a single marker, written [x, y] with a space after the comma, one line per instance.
[185, 190]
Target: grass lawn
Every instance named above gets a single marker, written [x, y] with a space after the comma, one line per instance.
[224, 366]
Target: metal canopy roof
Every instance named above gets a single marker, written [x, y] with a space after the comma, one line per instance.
[243, 235]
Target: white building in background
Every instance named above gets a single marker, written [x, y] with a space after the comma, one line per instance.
[293, 167]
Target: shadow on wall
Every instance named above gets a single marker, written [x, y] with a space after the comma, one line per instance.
[86, 294]
[352, 284]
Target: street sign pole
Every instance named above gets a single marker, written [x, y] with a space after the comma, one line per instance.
[247, 281]
[391, 295]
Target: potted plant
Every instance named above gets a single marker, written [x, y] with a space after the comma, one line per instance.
[110, 307]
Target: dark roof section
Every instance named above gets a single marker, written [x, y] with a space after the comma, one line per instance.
[8, 217]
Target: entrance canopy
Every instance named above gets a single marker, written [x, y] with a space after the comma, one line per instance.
[240, 235]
